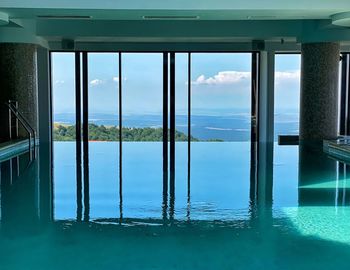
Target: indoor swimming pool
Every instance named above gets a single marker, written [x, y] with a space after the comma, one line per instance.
[288, 210]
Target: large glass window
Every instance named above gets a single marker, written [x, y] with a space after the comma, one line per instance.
[221, 96]
[181, 138]
[63, 97]
[287, 94]
[287, 98]
[216, 176]
[103, 100]
[142, 96]
[221, 113]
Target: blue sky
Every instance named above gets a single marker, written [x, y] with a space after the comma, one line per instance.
[220, 82]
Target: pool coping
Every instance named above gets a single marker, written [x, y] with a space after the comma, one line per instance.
[14, 148]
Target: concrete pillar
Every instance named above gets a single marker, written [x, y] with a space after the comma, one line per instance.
[319, 91]
[18, 81]
[318, 120]
[45, 154]
[44, 97]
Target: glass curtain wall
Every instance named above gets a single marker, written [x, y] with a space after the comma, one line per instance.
[221, 126]
[103, 129]
[64, 137]
[142, 134]
[212, 102]
[182, 147]
[287, 94]
[287, 99]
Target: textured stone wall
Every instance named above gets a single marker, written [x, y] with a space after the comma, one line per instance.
[18, 81]
[319, 91]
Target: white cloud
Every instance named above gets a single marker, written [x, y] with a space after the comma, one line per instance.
[58, 82]
[234, 77]
[287, 76]
[116, 79]
[96, 82]
[223, 77]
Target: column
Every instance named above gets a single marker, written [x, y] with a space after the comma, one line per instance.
[319, 92]
[18, 81]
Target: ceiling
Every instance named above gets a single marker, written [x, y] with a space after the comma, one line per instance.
[155, 21]
[309, 6]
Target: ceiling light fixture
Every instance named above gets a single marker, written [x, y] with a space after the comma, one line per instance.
[170, 17]
[261, 17]
[64, 17]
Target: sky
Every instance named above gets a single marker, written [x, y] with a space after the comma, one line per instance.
[220, 82]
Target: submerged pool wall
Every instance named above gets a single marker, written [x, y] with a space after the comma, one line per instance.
[315, 169]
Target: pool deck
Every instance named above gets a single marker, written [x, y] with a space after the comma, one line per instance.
[339, 148]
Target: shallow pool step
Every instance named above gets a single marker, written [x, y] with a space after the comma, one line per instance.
[13, 148]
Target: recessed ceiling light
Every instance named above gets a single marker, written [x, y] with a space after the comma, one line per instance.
[63, 17]
[261, 17]
[341, 19]
[170, 17]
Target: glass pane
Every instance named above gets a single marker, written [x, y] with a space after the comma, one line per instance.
[181, 138]
[287, 95]
[63, 99]
[221, 108]
[142, 134]
[103, 72]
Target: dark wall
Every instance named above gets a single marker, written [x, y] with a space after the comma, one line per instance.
[18, 81]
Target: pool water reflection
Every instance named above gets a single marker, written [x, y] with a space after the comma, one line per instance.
[289, 210]
[219, 183]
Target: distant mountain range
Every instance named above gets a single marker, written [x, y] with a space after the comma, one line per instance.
[234, 127]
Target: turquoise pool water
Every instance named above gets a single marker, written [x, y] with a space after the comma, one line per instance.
[290, 211]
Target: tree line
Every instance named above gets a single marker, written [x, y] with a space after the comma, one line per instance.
[129, 134]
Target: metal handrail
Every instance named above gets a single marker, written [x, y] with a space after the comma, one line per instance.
[19, 117]
[24, 120]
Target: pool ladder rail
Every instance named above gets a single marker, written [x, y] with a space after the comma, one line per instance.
[19, 118]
